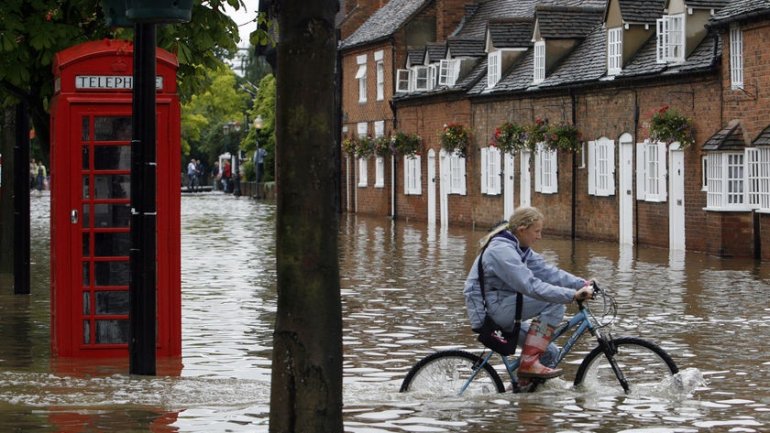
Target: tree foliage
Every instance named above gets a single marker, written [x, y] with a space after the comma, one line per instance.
[32, 32]
[264, 107]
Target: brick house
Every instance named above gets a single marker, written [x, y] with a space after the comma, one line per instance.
[604, 68]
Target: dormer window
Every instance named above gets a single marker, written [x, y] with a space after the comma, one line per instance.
[449, 70]
[493, 68]
[614, 51]
[539, 75]
[403, 80]
[671, 39]
[421, 76]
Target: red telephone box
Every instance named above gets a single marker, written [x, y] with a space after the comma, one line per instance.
[90, 201]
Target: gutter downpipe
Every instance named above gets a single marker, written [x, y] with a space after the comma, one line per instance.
[636, 179]
[393, 207]
[573, 215]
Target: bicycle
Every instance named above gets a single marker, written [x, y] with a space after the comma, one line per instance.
[631, 363]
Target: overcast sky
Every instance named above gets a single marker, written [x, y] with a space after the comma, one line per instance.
[244, 17]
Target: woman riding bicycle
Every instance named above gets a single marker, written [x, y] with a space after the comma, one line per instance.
[510, 266]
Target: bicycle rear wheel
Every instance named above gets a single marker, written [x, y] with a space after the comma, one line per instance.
[644, 364]
[446, 372]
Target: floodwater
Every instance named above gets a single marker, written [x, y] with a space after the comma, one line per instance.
[401, 292]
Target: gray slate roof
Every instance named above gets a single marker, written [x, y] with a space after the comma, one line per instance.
[763, 139]
[707, 4]
[588, 62]
[466, 47]
[558, 22]
[645, 63]
[416, 56]
[740, 9]
[518, 78]
[512, 32]
[475, 26]
[641, 12]
[728, 138]
[435, 51]
[384, 22]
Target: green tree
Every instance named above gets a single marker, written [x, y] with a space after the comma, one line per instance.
[32, 32]
[306, 386]
[264, 107]
[206, 113]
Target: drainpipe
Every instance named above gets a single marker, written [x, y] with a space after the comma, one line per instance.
[573, 229]
[393, 176]
[636, 179]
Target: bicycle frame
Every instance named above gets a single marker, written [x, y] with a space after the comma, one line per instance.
[581, 321]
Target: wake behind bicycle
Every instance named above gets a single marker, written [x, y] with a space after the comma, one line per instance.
[628, 364]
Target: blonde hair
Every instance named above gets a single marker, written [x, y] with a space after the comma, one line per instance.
[522, 217]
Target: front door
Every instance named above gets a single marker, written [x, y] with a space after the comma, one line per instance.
[676, 203]
[431, 186]
[626, 188]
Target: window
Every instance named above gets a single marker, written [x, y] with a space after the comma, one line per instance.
[449, 70]
[456, 174]
[539, 62]
[362, 130]
[412, 175]
[546, 170]
[601, 167]
[379, 162]
[670, 38]
[403, 80]
[736, 57]
[490, 171]
[726, 181]
[493, 69]
[614, 51]
[421, 77]
[651, 171]
[361, 77]
[759, 177]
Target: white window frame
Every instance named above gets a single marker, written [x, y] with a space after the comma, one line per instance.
[403, 80]
[651, 173]
[493, 68]
[727, 181]
[539, 63]
[736, 57]
[412, 175]
[362, 128]
[433, 71]
[546, 170]
[379, 161]
[456, 174]
[758, 159]
[491, 167]
[614, 51]
[361, 77]
[671, 38]
[449, 70]
[601, 167]
[420, 78]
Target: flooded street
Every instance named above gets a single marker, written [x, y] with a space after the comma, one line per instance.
[402, 299]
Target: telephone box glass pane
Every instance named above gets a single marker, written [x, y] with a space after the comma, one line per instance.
[111, 244]
[86, 275]
[84, 132]
[86, 245]
[111, 331]
[85, 215]
[111, 273]
[86, 193]
[112, 157]
[85, 158]
[112, 215]
[112, 186]
[86, 303]
[112, 302]
[86, 332]
[112, 128]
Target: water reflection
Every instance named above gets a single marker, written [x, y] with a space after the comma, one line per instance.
[402, 299]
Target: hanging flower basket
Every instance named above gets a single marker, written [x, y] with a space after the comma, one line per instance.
[509, 137]
[406, 144]
[535, 133]
[562, 137]
[349, 144]
[455, 138]
[382, 146]
[364, 147]
[668, 126]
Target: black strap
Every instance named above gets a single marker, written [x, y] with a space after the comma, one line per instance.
[519, 297]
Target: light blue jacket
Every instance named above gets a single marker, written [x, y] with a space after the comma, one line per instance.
[509, 269]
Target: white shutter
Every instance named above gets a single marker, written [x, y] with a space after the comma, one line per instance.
[554, 174]
[407, 177]
[592, 168]
[662, 172]
[641, 177]
[538, 170]
[461, 169]
[494, 171]
[752, 176]
[611, 167]
[417, 175]
[484, 179]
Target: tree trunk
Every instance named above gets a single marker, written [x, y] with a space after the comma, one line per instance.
[306, 393]
[7, 140]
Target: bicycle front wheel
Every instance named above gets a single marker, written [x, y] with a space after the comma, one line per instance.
[643, 365]
[448, 372]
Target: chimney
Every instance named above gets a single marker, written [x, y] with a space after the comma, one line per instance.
[449, 14]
